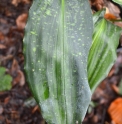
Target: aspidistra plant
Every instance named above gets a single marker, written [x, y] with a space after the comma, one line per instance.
[102, 53]
[58, 37]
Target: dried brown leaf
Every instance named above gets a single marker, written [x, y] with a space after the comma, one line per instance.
[16, 2]
[19, 78]
[21, 21]
[2, 46]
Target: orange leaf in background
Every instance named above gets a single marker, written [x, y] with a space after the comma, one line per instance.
[110, 17]
[115, 111]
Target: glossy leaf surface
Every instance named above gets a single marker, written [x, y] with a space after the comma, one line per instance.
[57, 40]
[102, 54]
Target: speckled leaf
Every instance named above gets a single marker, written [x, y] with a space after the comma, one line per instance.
[118, 1]
[102, 54]
[58, 36]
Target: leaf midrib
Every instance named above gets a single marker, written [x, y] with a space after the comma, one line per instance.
[63, 50]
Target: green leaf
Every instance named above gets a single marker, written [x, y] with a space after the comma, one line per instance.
[5, 80]
[57, 40]
[118, 1]
[2, 71]
[102, 54]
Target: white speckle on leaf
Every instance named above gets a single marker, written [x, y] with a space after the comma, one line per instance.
[34, 49]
